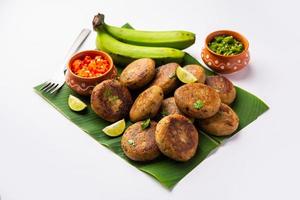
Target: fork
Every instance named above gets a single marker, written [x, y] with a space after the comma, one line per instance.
[58, 79]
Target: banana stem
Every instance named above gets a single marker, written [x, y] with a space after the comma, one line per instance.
[98, 21]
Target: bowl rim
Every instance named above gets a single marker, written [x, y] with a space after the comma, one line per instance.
[226, 32]
[87, 52]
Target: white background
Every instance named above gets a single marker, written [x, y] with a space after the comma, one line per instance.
[44, 156]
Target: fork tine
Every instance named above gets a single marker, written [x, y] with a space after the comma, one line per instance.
[45, 85]
[56, 88]
[49, 87]
[52, 88]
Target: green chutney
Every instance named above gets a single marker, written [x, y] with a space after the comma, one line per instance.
[226, 45]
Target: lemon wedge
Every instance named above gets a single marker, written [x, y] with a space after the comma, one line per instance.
[76, 104]
[115, 129]
[185, 76]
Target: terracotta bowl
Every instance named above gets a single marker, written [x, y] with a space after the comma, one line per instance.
[84, 85]
[225, 64]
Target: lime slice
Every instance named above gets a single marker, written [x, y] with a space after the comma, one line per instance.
[76, 104]
[185, 76]
[115, 129]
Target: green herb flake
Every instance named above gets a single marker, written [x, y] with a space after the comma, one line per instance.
[131, 142]
[164, 113]
[191, 120]
[107, 93]
[145, 123]
[113, 98]
[198, 104]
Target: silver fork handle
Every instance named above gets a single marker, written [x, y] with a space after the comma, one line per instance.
[76, 45]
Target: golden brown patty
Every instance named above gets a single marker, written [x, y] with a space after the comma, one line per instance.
[225, 122]
[139, 144]
[138, 73]
[197, 100]
[111, 100]
[147, 104]
[197, 71]
[176, 137]
[166, 77]
[168, 107]
[223, 86]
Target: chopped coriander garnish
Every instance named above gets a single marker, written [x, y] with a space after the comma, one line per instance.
[113, 98]
[198, 104]
[107, 93]
[164, 113]
[131, 142]
[145, 123]
[191, 120]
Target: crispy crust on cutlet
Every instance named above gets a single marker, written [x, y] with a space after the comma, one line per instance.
[166, 77]
[138, 73]
[197, 71]
[225, 122]
[168, 106]
[111, 100]
[224, 87]
[187, 95]
[147, 104]
[142, 145]
[177, 137]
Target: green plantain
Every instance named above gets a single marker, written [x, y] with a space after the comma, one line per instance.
[123, 53]
[172, 39]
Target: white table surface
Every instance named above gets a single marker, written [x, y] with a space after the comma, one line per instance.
[43, 156]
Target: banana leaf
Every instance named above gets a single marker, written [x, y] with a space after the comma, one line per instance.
[168, 172]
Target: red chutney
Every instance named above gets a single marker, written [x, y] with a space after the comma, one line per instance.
[90, 67]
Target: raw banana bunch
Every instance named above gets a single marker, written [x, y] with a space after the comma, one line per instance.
[125, 45]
